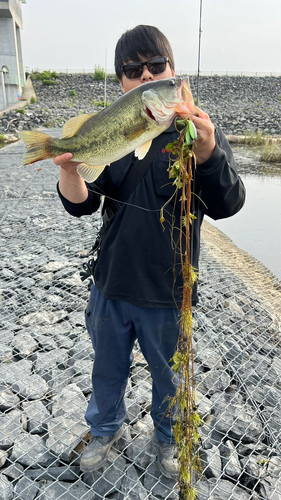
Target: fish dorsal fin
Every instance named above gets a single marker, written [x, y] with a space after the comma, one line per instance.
[73, 125]
[141, 151]
[89, 172]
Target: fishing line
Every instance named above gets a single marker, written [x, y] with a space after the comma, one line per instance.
[20, 196]
[102, 194]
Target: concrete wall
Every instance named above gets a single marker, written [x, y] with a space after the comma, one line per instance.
[11, 50]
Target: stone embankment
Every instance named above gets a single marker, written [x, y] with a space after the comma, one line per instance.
[46, 359]
[237, 104]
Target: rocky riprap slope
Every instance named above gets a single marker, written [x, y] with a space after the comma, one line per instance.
[46, 361]
[235, 103]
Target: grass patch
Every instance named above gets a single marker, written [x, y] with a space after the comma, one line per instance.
[2, 141]
[271, 151]
[49, 82]
[20, 110]
[254, 138]
[99, 73]
[44, 75]
[33, 100]
[100, 104]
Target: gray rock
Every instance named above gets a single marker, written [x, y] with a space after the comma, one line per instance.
[141, 450]
[82, 349]
[62, 490]
[45, 361]
[58, 379]
[70, 403]
[144, 426]
[220, 490]
[64, 434]
[104, 482]
[134, 410]
[237, 419]
[211, 461]
[84, 382]
[37, 416]
[31, 387]
[47, 343]
[207, 356]
[6, 488]
[82, 366]
[67, 473]
[3, 457]
[30, 450]
[14, 471]
[43, 318]
[24, 344]
[125, 439]
[54, 266]
[26, 489]
[64, 341]
[10, 428]
[203, 404]
[142, 393]
[131, 484]
[230, 459]
[6, 354]
[270, 488]
[213, 381]
[252, 469]
[159, 485]
[12, 372]
[8, 399]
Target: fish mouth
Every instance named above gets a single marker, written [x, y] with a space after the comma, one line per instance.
[150, 114]
[162, 108]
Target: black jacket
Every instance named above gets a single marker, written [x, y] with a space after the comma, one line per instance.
[137, 262]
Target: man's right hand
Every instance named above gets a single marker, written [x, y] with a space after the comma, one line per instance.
[71, 184]
[64, 161]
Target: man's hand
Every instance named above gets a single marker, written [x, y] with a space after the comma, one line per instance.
[64, 161]
[205, 145]
[71, 185]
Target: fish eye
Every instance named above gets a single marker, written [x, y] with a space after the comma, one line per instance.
[172, 83]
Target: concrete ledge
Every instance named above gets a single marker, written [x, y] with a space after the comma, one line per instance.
[27, 93]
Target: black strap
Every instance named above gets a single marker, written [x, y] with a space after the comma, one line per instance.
[138, 169]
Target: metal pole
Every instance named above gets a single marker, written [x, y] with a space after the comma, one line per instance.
[199, 51]
[105, 79]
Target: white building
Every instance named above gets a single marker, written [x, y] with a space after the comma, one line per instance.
[12, 75]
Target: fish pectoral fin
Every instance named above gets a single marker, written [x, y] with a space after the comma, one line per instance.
[89, 172]
[72, 126]
[141, 151]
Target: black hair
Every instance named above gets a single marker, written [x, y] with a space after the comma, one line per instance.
[141, 41]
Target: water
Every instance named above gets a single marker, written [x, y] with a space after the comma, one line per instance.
[257, 227]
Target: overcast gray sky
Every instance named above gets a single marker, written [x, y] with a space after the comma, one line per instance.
[238, 35]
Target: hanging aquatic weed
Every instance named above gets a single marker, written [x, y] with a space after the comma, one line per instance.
[182, 405]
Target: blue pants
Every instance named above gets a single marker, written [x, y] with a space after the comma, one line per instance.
[113, 326]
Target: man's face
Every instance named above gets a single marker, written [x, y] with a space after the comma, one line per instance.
[127, 84]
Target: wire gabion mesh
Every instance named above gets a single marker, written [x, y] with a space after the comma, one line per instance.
[46, 360]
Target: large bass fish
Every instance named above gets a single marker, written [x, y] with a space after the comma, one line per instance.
[129, 124]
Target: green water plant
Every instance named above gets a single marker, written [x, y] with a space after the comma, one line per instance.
[182, 407]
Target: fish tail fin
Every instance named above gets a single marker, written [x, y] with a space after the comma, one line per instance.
[37, 147]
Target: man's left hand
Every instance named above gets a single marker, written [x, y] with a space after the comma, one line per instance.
[206, 143]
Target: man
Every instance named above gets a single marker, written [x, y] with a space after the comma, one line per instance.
[136, 295]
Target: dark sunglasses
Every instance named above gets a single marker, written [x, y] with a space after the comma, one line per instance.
[155, 66]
